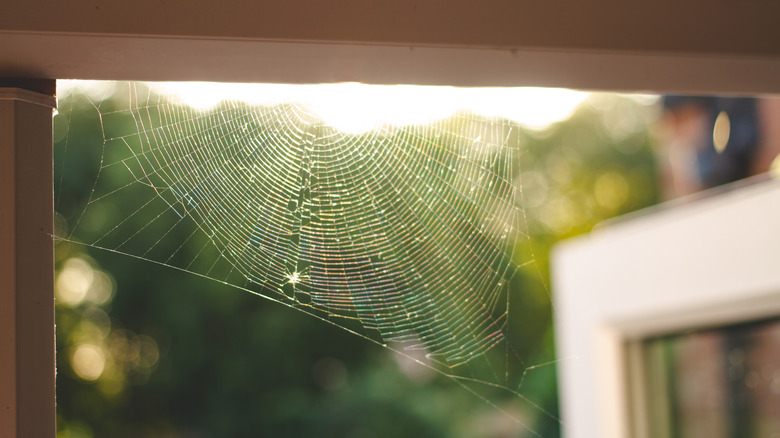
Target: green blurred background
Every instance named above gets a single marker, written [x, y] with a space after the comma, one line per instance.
[144, 350]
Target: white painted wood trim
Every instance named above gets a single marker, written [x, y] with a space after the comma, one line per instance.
[713, 262]
[27, 365]
[155, 58]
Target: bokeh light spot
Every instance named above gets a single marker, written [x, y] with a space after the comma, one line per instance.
[721, 132]
[88, 361]
[74, 281]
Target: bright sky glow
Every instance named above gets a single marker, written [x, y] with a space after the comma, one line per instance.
[355, 108]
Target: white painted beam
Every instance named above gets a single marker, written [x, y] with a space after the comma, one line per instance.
[27, 364]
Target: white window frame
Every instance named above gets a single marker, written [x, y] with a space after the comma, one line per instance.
[657, 46]
[710, 263]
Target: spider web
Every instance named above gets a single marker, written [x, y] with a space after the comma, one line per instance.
[403, 234]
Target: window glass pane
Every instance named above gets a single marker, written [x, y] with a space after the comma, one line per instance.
[721, 383]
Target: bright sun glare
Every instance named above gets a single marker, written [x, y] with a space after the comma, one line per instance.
[356, 108]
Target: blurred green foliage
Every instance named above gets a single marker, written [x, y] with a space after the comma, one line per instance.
[145, 350]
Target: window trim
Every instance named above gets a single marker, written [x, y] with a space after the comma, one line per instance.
[27, 362]
[154, 58]
[585, 48]
[680, 268]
